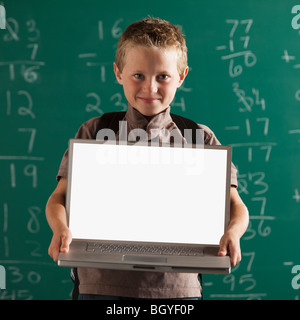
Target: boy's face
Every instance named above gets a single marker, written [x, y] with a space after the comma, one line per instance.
[150, 78]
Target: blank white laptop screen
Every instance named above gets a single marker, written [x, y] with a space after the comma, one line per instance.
[148, 194]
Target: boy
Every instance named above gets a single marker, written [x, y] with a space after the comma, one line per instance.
[151, 63]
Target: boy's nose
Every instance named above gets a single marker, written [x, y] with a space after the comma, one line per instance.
[150, 86]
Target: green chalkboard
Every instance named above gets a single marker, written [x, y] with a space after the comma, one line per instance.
[56, 72]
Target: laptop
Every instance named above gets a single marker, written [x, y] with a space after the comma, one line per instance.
[132, 206]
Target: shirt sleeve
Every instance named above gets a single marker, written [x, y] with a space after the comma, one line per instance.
[86, 131]
[211, 139]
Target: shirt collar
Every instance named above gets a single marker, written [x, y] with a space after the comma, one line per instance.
[136, 119]
[158, 127]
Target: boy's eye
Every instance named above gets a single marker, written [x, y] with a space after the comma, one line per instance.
[138, 76]
[163, 77]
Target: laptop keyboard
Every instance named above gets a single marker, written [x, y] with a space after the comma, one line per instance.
[146, 249]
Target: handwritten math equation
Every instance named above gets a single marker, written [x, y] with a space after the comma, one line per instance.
[21, 68]
[254, 148]
[237, 51]
[253, 126]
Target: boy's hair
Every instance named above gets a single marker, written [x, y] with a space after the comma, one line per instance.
[152, 32]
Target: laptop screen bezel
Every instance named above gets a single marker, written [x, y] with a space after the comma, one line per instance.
[91, 141]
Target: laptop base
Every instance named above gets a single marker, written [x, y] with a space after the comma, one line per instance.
[208, 263]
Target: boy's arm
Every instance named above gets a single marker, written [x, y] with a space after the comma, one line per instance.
[57, 219]
[239, 219]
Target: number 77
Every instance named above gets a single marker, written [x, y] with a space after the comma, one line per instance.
[235, 23]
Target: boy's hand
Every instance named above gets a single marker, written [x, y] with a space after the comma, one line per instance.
[239, 219]
[60, 243]
[230, 244]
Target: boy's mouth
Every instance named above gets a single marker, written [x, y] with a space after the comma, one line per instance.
[148, 99]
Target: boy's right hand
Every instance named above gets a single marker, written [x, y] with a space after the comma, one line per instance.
[60, 243]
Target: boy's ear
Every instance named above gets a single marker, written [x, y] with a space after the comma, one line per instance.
[118, 74]
[182, 77]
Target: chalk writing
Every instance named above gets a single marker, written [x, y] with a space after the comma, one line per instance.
[253, 128]
[296, 195]
[241, 41]
[248, 101]
[19, 164]
[288, 58]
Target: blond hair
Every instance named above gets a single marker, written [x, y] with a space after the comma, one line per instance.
[152, 32]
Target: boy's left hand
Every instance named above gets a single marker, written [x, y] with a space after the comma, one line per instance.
[239, 219]
[230, 244]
